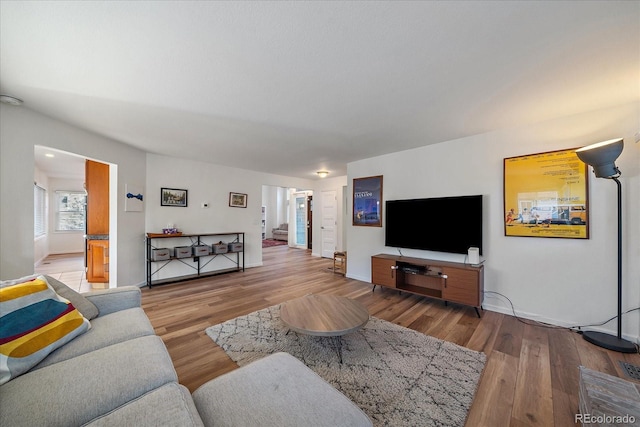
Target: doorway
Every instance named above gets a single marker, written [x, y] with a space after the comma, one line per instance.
[309, 221]
[301, 220]
[61, 172]
[329, 223]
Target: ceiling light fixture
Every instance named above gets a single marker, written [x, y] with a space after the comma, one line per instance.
[11, 100]
[322, 174]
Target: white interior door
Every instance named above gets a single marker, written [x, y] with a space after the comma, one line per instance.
[329, 221]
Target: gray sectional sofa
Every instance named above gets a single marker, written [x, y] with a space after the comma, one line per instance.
[119, 373]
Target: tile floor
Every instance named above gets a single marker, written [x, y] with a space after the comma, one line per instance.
[68, 268]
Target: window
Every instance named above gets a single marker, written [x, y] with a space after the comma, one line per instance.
[70, 210]
[39, 211]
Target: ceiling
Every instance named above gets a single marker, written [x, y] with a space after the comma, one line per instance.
[295, 87]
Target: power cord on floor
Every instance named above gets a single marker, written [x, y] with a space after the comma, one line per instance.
[576, 328]
[525, 321]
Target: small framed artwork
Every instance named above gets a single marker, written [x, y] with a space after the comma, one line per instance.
[546, 195]
[237, 200]
[367, 201]
[173, 197]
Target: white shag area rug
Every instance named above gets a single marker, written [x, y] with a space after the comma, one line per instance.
[399, 377]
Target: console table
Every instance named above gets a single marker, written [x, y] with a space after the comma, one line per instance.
[197, 264]
[444, 280]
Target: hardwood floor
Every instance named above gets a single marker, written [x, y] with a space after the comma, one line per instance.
[531, 375]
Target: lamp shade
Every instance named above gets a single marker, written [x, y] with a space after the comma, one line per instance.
[601, 157]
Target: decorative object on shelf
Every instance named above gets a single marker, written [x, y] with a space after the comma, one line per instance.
[601, 157]
[237, 200]
[367, 201]
[134, 201]
[220, 248]
[173, 197]
[546, 195]
[156, 235]
[171, 229]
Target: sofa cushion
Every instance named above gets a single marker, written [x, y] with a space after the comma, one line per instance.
[34, 322]
[169, 405]
[84, 306]
[277, 390]
[78, 390]
[105, 331]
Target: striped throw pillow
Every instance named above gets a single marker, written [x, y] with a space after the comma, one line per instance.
[34, 321]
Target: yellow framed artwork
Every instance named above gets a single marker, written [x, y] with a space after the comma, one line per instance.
[546, 195]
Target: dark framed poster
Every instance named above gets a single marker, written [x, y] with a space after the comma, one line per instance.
[546, 195]
[367, 201]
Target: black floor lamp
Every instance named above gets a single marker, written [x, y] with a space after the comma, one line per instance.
[601, 157]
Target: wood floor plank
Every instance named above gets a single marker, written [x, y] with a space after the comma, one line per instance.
[533, 396]
[564, 360]
[594, 357]
[565, 408]
[494, 397]
[464, 329]
[509, 339]
[485, 334]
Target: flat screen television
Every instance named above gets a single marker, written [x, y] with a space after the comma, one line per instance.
[443, 224]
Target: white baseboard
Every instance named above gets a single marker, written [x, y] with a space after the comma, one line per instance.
[362, 279]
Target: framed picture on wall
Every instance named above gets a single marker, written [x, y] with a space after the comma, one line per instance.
[546, 195]
[173, 197]
[367, 201]
[237, 200]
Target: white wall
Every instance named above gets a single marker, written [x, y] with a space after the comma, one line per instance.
[282, 207]
[561, 281]
[21, 130]
[212, 184]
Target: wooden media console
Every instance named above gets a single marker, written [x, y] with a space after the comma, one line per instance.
[448, 281]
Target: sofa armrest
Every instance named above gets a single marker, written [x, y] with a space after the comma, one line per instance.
[115, 299]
